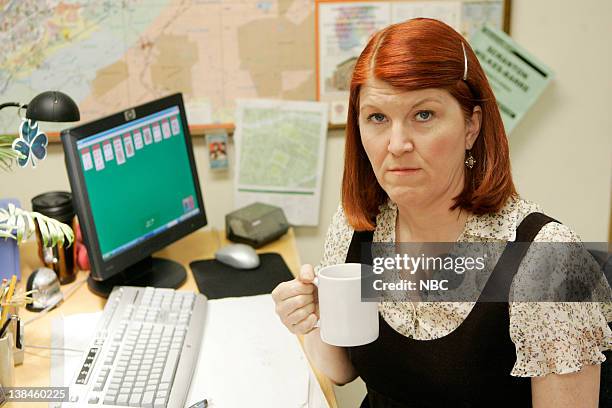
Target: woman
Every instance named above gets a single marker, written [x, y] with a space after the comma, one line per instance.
[426, 160]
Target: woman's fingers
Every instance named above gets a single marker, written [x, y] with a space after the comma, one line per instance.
[291, 289]
[301, 313]
[305, 326]
[307, 274]
[288, 306]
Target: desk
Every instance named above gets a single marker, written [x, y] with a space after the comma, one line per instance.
[201, 244]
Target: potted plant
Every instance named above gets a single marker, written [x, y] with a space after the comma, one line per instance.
[19, 224]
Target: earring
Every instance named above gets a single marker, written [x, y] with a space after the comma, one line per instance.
[470, 161]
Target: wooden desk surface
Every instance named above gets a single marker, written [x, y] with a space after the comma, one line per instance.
[35, 370]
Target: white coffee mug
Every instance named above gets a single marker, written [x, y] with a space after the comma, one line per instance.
[345, 320]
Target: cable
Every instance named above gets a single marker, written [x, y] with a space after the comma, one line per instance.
[51, 348]
[6, 105]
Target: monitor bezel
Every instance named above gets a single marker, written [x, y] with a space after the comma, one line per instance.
[103, 269]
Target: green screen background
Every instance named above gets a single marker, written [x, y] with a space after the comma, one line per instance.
[142, 194]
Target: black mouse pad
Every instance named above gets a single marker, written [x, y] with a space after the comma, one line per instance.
[217, 280]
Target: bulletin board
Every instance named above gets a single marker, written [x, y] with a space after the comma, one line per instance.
[343, 28]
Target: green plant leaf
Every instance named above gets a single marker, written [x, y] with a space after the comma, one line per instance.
[11, 218]
[7, 154]
[12, 209]
[52, 232]
[68, 233]
[21, 224]
[4, 215]
[31, 226]
[5, 231]
[44, 231]
[56, 233]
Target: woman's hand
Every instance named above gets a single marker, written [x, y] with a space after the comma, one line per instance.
[297, 305]
[296, 302]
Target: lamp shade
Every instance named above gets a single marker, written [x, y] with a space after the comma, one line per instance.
[53, 106]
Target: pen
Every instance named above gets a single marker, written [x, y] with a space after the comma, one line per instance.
[1, 294]
[3, 286]
[1, 301]
[4, 327]
[200, 404]
[9, 295]
[18, 332]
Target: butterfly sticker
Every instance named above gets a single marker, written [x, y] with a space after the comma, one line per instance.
[31, 143]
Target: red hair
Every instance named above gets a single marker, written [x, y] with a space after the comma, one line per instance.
[417, 54]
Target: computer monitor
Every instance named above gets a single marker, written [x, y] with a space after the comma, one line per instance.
[135, 188]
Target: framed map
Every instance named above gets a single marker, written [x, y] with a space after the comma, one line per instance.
[110, 55]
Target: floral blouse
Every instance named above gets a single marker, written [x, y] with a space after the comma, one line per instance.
[550, 337]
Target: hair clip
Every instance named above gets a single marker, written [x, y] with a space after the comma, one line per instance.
[464, 62]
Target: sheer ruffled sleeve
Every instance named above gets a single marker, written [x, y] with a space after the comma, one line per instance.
[558, 337]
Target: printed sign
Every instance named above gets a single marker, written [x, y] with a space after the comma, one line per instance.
[516, 76]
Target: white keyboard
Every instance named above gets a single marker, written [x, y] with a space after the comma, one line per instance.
[144, 350]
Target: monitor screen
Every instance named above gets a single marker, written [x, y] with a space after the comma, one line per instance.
[134, 183]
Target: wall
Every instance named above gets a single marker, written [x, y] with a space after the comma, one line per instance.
[560, 152]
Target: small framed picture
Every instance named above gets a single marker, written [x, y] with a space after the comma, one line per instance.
[217, 151]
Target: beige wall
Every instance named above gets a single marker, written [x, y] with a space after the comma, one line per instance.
[560, 152]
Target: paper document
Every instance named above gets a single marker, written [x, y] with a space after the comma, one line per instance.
[477, 14]
[343, 31]
[247, 357]
[280, 154]
[345, 27]
[72, 334]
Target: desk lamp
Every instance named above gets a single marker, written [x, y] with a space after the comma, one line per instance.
[50, 106]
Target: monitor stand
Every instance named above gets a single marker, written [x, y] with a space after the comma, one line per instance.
[156, 272]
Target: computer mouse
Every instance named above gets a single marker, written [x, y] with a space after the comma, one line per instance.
[239, 256]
